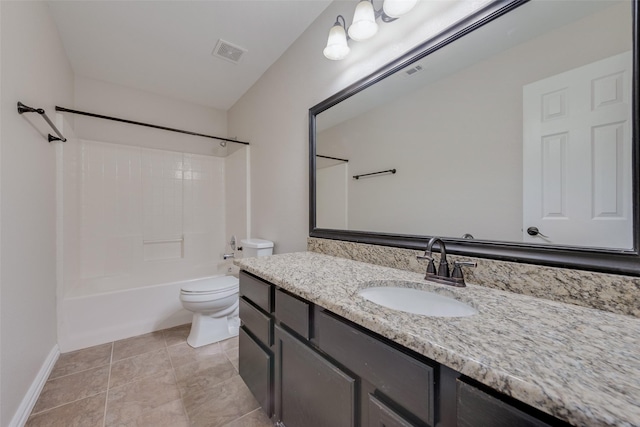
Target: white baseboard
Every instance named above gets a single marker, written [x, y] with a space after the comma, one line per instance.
[29, 400]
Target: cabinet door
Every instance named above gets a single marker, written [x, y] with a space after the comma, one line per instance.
[310, 391]
[380, 415]
[256, 366]
[478, 409]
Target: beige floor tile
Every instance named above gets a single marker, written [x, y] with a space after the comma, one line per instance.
[256, 418]
[138, 345]
[129, 402]
[87, 412]
[220, 404]
[229, 344]
[204, 373]
[72, 387]
[233, 357]
[168, 415]
[81, 360]
[177, 335]
[182, 354]
[138, 367]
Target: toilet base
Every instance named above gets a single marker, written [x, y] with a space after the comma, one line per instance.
[208, 330]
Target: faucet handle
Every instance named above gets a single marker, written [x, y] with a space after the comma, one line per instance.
[427, 255]
[431, 267]
[465, 263]
[457, 268]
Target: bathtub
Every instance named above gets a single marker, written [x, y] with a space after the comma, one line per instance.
[88, 320]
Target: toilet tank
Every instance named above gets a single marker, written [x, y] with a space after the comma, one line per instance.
[256, 247]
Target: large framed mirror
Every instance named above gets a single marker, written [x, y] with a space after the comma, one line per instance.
[512, 135]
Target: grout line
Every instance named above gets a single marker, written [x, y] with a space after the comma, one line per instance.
[65, 403]
[106, 397]
[175, 377]
[242, 416]
[79, 372]
[259, 408]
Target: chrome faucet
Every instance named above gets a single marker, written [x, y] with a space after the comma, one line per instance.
[455, 278]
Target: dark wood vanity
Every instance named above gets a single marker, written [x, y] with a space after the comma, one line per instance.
[308, 367]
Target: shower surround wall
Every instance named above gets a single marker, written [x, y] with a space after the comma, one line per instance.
[137, 222]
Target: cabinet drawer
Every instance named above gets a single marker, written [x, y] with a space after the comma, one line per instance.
[310, 390]
[256, 369]
[380, 415]
[256, 290]
[258, 323]
[476, 408]
[398, 376]
[293, 312]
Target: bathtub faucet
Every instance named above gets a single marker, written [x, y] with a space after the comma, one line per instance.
[227, 256]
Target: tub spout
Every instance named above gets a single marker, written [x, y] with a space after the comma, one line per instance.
[227, 256]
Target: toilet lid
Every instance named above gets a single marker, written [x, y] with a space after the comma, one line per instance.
[211, 286]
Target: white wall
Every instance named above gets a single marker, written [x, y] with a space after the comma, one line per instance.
[35, 71]
[113, 100]
[272, 115]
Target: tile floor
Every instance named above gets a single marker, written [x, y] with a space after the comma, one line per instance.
[155, 379]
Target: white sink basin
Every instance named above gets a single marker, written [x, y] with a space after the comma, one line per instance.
[417, 301]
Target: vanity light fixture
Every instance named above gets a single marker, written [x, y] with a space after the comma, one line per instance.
[363, 26]
[397, 8]
[337, 47]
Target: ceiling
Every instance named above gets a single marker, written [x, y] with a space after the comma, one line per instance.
[165, 47]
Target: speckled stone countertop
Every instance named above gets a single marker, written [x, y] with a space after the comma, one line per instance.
[579, 364]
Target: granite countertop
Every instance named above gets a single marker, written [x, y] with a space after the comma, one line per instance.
[581, 365]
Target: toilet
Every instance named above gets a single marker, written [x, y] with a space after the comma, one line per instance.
[214, 300]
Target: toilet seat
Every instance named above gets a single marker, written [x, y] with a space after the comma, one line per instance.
[220, 285]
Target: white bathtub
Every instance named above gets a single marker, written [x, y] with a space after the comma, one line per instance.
[89, 320]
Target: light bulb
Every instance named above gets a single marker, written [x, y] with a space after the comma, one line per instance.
[337, 47]
[397, 8]
[364, 24]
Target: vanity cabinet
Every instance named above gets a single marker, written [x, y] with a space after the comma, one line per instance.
[309, 367]
[402, 380]
[256, 361]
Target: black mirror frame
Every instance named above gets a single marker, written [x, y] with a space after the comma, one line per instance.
[612, 261]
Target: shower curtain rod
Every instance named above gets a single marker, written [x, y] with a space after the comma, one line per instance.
[25, 109]
[115, 119]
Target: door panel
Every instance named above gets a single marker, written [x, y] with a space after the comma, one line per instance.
[577, 156]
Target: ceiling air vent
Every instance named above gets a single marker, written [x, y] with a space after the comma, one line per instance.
[228, 51]
[413, 70]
